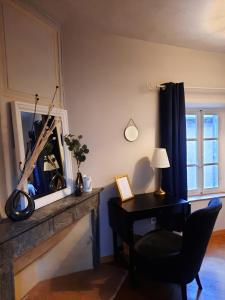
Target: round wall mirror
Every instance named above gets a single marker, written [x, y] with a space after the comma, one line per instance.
[131, 131]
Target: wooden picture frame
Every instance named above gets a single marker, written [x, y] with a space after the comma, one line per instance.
[123, 185]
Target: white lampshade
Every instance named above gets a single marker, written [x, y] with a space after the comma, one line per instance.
[160, 159]
[50, 163]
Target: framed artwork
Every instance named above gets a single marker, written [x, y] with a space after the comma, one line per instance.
[123, 185]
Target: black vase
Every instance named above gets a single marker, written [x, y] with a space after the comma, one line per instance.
[79, 184]
[57, 182]
[12, 209]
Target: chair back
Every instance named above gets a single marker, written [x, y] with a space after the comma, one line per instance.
[196, 235]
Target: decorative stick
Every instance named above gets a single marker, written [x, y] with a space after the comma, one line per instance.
[51, 106]
[36, 152]
[42, 133]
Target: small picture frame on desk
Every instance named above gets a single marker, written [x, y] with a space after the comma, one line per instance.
[123, 185]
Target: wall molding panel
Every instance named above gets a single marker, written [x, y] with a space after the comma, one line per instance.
[31, 54]
[30, 63]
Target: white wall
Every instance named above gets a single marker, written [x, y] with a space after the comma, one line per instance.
[105, 80]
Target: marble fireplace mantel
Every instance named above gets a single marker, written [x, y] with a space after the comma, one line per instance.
[16, 238]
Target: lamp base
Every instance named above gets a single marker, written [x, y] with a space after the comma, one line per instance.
[160, 192]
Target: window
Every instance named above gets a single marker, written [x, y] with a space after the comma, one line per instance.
[203, 163]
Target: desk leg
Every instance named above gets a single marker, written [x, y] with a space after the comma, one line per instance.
[115, 245]
[131, 265]
[131, 255]
[7, 291]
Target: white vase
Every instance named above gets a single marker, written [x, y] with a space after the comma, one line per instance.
[87, 185]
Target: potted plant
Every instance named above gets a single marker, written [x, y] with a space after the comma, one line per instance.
[79, 153]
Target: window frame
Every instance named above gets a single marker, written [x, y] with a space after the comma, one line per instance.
[200, 112]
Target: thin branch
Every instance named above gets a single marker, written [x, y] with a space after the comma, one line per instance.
[36, 152]
[40, 143]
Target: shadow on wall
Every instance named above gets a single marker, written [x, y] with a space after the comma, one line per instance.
[142, 178]
[143, 175]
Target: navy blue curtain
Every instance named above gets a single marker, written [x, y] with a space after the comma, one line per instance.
[173, 138]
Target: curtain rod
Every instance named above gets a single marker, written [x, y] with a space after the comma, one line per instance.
[158, 86]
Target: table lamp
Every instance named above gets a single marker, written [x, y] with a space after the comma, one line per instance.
[50, 163]
[160, 161]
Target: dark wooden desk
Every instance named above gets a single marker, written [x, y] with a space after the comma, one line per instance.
[122, 216]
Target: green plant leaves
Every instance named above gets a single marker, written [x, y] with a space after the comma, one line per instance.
[75, 146]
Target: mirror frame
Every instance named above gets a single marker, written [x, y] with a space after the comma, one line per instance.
[19, 107]
[128, 135]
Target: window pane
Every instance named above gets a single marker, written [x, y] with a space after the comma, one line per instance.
[210, 151]
[211, 176]
[192, 178]
[191, 126]
[191, 152]
[210, 126]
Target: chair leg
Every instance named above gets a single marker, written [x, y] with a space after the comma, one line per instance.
[198, 282]
[184, 291]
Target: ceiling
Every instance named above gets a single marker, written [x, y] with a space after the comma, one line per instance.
[197, 24]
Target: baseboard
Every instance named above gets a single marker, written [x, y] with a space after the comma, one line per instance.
[106, 259]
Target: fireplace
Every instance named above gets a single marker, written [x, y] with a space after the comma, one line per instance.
[18, 238]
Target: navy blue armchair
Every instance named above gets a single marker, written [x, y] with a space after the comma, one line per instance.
[166, 256]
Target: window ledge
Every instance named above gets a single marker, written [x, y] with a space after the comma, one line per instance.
[205, 197]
